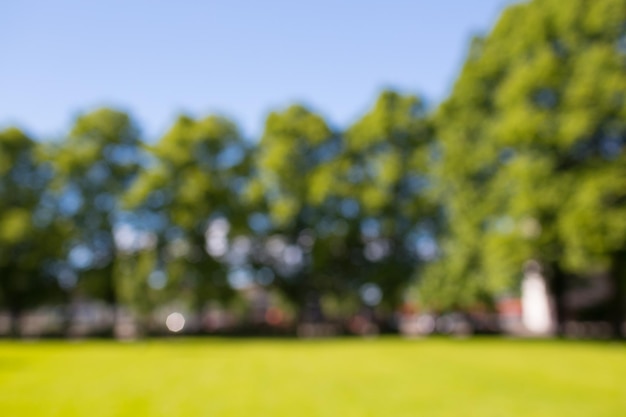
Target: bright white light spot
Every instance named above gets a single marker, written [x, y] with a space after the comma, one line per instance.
[426, 248]
[217, 238]
[292, 255]
[376, 250]
[175, 322]
[124, 237]
[371, 294]
[216, 246]
[81, 257]
[129, 239]
[219, 227]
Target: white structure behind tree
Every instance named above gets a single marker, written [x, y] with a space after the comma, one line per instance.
[537, 314]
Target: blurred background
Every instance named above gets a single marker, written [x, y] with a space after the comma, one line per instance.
[165, 168]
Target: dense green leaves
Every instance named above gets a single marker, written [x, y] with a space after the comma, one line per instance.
[524, 160]
[29, 231]
[533, 139]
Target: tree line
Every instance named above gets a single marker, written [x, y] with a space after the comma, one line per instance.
[524, 160]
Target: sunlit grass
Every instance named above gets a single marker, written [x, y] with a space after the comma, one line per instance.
[338, 378]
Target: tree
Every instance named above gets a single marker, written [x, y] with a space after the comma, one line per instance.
[381, 190]
[95, 164]
[29, 232]
[535, 117]
[192, 187]
[291, 180]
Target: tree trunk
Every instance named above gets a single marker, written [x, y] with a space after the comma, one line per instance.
[311, 308]
[111, 295]
[558, 286]
[618, 274]
[68, 313]
[15, 315]
[13, 296]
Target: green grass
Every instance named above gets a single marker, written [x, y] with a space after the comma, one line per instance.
[334, 378]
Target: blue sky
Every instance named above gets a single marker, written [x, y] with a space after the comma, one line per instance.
[158, 58]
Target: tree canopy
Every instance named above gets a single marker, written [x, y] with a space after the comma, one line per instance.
[532, 143]
[524, 160]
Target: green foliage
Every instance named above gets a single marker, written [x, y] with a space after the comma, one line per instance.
[383, 175]
[524, 160]
[93, 166]
[292, 151]
[385, 156]
[194, 178]
[29, 231]
[532, 140]
[292, 179]
[322, 189]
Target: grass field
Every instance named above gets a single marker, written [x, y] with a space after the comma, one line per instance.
[334, 378]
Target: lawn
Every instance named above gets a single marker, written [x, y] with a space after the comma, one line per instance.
[335, 378]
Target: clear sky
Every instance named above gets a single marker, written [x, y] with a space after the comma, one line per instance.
[242, 59]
